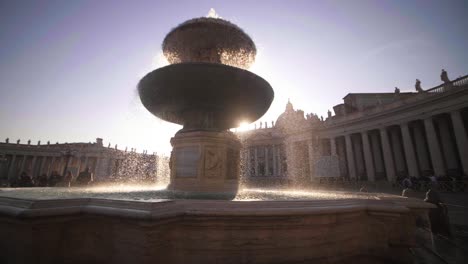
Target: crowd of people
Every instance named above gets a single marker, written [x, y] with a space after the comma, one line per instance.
[84, 178]
[443, 183]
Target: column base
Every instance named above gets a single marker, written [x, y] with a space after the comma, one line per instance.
[205, 162]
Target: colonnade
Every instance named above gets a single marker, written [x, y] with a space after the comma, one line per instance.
[264, 160]
[436, 145]
[35, 165]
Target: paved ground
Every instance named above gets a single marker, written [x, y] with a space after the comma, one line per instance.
[438, 249]
[449, 250]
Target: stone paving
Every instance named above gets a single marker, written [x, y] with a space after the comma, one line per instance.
[439, 249]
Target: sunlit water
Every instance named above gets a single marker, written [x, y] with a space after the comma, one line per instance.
[158, 192]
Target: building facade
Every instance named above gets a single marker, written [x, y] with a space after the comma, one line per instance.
[371, 137]
[106, 163]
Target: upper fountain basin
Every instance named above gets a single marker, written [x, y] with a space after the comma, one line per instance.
[212, 40]
[205, 95]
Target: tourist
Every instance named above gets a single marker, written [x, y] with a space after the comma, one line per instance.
[438, 216]
[84, 178]
[25, 180]
[407, 183]
[41, 180]
[54, 179]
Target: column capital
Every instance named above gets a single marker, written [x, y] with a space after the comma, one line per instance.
[404, 124]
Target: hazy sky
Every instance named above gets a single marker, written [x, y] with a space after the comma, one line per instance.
[69, 69]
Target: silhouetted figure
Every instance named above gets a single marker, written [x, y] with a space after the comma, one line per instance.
[66, 180]
[25, 180]
[84, 178]
[418, 86]
[407, 183]
[444, 76]
[397, 90]
[7, 140]
[41, 180]
[54, 179]
[329, 113]
[438, 216]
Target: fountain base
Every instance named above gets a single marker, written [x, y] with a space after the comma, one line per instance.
[374, 230]
[206, 162]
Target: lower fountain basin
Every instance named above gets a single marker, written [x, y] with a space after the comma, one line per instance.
[364, 228]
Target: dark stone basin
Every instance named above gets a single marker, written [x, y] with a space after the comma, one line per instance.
[205, 95]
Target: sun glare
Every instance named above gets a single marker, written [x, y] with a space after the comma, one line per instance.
[243, 126]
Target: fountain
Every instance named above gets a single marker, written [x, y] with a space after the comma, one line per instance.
[207, 90]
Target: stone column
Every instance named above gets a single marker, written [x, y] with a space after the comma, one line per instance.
[333, 146]
[267, 168]
[377, 154]
[97, 175]
[421, 149]
[387, 154]
[23, 163]
[86, 162]
[51, 167]
[33, 165]
[409, 151]
[291, 161]
[398, 155]
[273, 155]
[350, 157]
[78, 169]
[358, 156]
[61, 165]
[341, 151]
[368, 157]
[461, 139]
[434, 148]
[280, 165]
[310, 149]
[41, 168]
[12, 169]
[447, 145]
[256, 161]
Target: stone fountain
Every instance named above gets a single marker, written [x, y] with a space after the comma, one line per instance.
[207, 90]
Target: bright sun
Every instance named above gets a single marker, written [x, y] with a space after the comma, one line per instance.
[243, 126]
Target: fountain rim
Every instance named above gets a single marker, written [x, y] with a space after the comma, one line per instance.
[164, 208]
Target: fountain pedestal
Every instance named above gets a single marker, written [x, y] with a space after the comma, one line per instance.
[205, 162]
